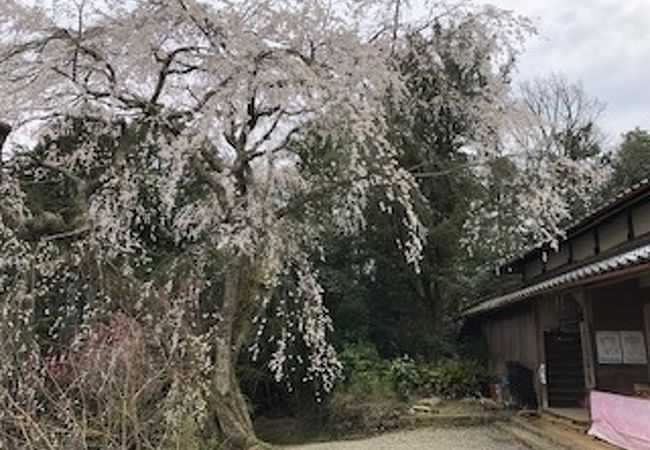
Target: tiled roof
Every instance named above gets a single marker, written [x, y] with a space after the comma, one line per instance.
[631, 258]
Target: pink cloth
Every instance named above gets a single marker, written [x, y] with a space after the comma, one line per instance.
[620, 420]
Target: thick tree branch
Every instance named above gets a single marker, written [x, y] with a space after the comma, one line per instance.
[165, 70]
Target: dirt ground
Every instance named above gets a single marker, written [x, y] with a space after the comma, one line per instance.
[469, 438]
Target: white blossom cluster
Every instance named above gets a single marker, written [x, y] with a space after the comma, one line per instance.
[530, 184]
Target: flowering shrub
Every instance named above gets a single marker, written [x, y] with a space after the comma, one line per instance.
[117, 387]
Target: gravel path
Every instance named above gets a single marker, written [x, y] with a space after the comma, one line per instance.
[475, 438]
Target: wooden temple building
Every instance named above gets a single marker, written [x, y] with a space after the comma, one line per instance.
[580, 322]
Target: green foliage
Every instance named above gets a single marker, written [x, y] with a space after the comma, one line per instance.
[345, 291]
[455, 378]
[372, 293]
[362, 369]
[631, 162]
[366, 374]
[403, 376]
[359, 358]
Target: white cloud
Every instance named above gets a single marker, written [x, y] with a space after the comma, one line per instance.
[604, 44]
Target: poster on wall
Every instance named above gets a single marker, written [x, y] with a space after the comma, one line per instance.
[608, 346]
[634, 351]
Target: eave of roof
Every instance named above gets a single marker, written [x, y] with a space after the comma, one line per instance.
[638, 190]
[636, 257]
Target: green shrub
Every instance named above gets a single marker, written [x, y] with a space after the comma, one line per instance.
[366, 374]
[403, 376]
[362, 368]
[359, 358]
[454, 378]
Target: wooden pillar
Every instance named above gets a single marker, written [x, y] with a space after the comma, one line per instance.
[538, 360]
[542, 393]
[646, 315]
[586, 338]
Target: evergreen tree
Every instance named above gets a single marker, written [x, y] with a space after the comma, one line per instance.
[631, 162]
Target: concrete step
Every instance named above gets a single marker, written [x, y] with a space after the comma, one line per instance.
[530, 439]
[580, 425]
[545, 434]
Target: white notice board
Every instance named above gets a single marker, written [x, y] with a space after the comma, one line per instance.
[608, 346]
[621, 347]
[633, 343]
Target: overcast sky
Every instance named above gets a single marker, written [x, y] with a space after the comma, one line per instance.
[604, 44]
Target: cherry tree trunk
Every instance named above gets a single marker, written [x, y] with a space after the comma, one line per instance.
[232, 413]
[240, 304]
